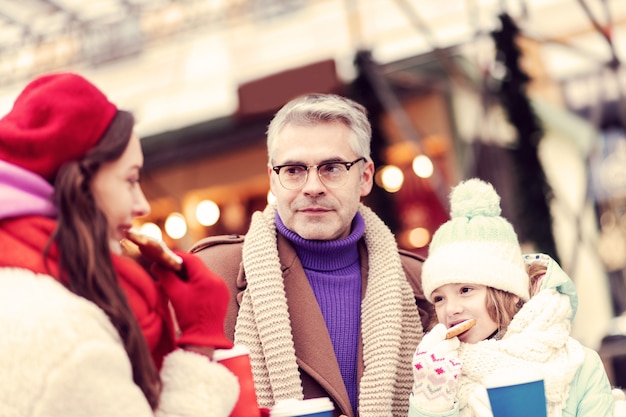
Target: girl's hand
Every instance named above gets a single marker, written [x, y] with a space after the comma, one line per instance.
[436, 369]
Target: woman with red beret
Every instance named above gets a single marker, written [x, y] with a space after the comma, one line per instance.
[85, 330]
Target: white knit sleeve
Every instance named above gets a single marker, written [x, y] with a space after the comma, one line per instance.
[194, 386]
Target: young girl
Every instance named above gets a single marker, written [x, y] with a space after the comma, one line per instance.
[475, 270]
[85, 330]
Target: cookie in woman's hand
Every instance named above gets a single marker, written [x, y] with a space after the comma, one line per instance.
[155, 250]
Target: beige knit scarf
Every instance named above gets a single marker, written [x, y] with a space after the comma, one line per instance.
[390, 322]
[537, 339]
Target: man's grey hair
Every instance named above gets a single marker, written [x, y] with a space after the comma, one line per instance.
[315, 109]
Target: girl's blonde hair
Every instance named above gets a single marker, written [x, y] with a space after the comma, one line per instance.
[502, 305]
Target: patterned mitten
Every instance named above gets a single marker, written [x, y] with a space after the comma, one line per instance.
[436, 368]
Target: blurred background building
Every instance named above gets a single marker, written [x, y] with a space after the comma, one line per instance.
[527, 94]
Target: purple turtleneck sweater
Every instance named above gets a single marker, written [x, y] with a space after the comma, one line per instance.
[334, 272]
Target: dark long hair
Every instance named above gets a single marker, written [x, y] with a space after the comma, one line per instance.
[85, 261]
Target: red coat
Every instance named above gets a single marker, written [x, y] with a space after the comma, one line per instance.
[22, 241]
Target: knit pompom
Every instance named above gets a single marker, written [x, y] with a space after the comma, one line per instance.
[473, 198]
[476, 246]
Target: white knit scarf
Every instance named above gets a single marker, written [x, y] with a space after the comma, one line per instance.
[390, 321]
[537, 339]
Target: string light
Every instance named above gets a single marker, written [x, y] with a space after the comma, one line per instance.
[419, 237]
[422, 166]
[390, 178]
[207, 213]
[175, 226]
[152, 230]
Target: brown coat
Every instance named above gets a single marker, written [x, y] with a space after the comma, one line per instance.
[314, 351]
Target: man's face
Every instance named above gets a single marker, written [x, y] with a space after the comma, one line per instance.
[316, 211]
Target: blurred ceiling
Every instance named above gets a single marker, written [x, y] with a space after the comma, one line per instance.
[176, 62]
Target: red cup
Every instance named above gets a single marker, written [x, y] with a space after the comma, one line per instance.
[237, 360]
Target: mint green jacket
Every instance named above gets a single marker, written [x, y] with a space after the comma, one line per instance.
[590, 390]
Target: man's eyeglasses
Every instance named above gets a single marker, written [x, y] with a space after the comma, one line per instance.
[332, 174]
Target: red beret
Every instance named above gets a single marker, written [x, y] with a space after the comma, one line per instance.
[57, 118]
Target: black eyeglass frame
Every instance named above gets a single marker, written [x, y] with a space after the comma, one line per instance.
[348, 165]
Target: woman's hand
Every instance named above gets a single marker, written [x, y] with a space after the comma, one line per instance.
[200, 301]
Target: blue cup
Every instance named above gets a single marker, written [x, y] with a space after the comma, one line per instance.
[518, 400]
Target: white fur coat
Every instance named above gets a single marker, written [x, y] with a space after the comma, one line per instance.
[61, 356]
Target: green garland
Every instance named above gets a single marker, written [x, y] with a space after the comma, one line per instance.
[533, 218]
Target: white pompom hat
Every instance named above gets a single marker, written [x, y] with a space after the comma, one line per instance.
[476, 246]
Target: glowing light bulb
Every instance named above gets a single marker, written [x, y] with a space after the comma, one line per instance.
[419, 237]
[175, 226]
[207, 213]
[391, 178]
[271, 198]
[152, 230]
[422, 166]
